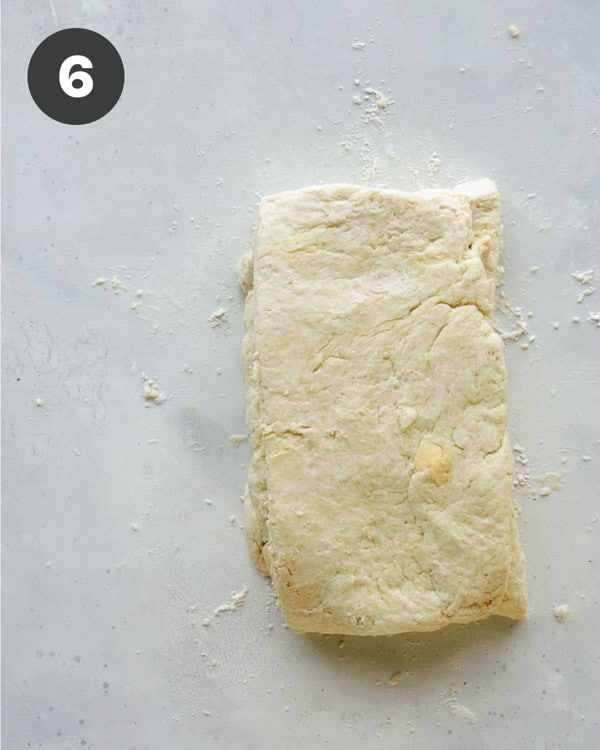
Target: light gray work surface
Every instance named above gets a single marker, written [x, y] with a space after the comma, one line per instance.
[111, 557]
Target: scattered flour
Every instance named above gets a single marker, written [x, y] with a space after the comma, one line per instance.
[376, 103]
[433, 164]
[219, 317]
[381, 100]
[117, 285]
[585, 278]
[520, 457]
[151, 392]
[541, 485]
[547, 483]
[237, 439]
[124, 279]
[373, 105]
[506, 313]
[453, 706]
[235, 601]
[562, 612]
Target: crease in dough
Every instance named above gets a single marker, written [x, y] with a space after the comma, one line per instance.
[379, 490]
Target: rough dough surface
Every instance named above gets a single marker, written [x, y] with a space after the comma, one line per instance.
[379, 492]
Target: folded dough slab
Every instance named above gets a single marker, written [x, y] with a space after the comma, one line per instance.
[379, 492]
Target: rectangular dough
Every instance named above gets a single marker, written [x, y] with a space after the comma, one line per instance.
[379, 492]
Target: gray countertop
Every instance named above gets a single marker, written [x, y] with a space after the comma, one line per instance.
[111, 557]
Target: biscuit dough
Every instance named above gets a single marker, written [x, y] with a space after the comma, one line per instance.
[379, 491]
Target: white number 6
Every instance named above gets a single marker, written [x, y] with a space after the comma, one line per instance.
[66, 78]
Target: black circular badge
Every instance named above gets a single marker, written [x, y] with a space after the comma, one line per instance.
[75, 76]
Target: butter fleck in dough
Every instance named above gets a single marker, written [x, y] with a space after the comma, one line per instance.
[379, 490]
